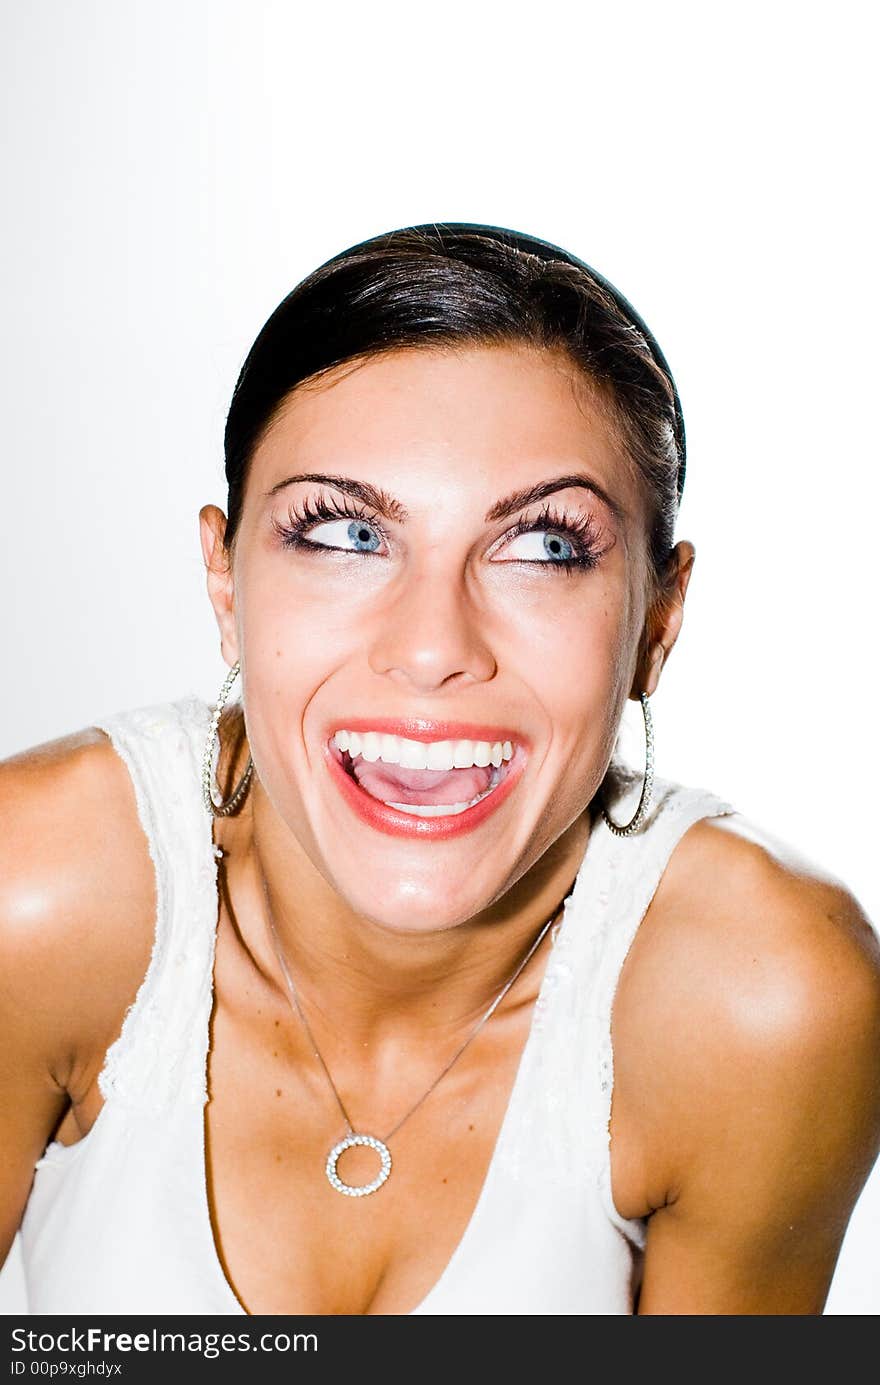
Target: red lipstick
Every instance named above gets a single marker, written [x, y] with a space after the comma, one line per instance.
[392, 821]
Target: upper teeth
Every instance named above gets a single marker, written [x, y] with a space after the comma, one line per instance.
[441, 755]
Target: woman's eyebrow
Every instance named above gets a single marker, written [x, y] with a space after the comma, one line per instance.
[377, 499]
[384, 504]
[518, 500]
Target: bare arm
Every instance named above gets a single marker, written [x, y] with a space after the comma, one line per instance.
[76, 900]
[32, 1098]
[764, 1117]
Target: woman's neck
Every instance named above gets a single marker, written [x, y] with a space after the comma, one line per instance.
[383, 981]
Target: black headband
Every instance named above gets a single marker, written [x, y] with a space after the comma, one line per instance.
[545, 250]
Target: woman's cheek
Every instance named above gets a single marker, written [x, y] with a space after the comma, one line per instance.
[296, 607]
[574, 630]
[573, 658]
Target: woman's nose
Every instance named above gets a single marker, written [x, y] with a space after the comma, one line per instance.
[430, 637]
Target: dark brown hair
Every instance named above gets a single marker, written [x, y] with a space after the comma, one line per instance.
[460, 284]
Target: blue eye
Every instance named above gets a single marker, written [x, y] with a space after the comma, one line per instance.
[363, 536]
[555, 546]
[568, 544]
[350, 535]
[540, 545]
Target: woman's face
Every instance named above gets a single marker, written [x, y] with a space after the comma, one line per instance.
[441, 561]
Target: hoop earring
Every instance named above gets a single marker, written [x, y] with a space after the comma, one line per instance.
[222, 810]
[637, 819]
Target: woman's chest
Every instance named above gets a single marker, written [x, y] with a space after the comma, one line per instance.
[496, 1202]
[287, 1239]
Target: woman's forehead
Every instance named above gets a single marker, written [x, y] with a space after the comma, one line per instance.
[472, 419]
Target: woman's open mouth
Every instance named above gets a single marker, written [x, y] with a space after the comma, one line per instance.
[424, 787]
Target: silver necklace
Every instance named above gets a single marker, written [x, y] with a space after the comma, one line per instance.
[354, 1137]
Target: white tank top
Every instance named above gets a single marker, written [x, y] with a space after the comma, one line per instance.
[120, 1221]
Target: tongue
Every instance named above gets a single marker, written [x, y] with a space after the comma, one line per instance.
[394, 784]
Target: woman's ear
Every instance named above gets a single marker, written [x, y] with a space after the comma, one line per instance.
[221, 589]
[665, 617]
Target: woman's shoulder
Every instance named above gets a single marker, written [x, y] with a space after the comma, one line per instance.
[70, 824]
[77, 889]
[751, 994]
[733, 884]
[759, 936]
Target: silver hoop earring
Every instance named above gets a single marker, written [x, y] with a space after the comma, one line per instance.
[636, 821]
[222, 810]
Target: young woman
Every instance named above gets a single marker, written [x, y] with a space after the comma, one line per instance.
[308, 1006]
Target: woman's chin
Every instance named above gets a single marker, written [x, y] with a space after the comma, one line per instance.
[403, 904]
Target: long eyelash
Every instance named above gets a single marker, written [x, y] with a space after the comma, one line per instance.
[583, 530]
[315, 511]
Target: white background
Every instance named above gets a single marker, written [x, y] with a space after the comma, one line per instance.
[172, 168]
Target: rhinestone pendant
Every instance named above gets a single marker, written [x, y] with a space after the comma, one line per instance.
[354, 1189]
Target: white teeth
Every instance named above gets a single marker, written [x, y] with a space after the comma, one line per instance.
[436, 755]
[441, 755]
[441, 810]
[412, 754]
[463, 754]
[372, 746]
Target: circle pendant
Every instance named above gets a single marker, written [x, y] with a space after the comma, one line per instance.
[355, 1189]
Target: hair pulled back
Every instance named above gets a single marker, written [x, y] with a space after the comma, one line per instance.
[443, 285]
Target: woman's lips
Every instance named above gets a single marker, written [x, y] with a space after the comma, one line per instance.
[382, 786]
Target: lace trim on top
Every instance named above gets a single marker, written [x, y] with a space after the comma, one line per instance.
[158, 1055]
